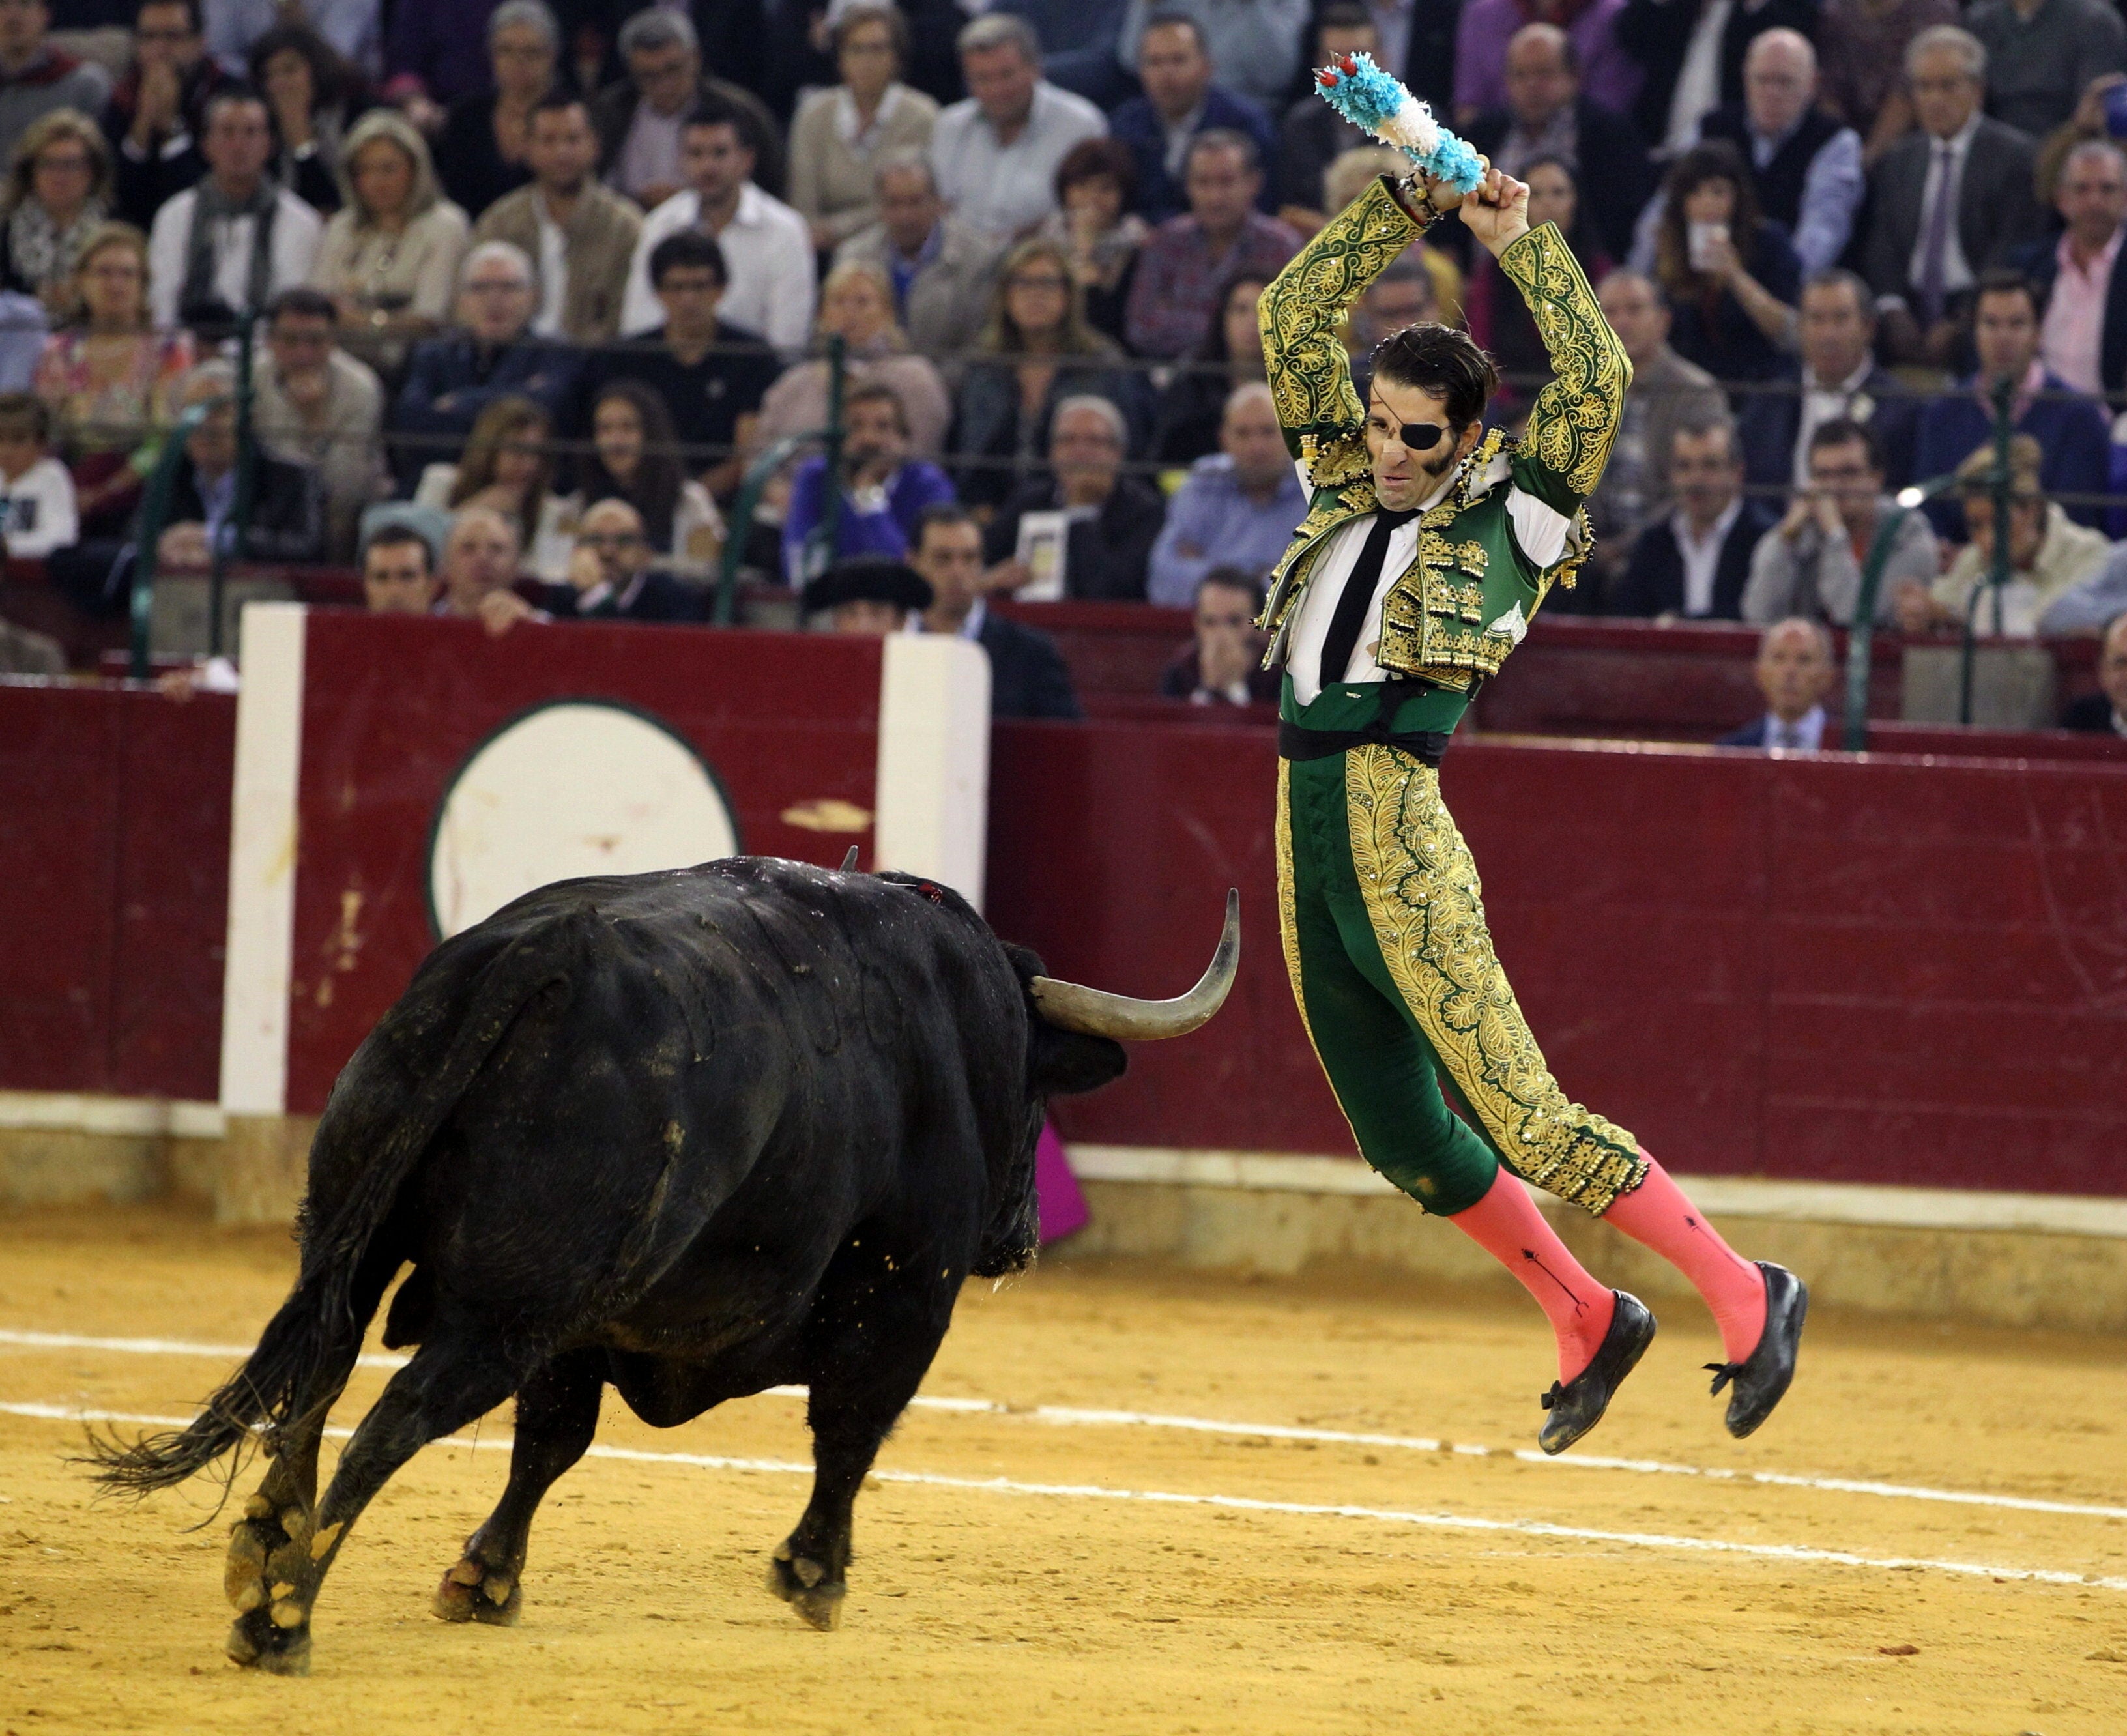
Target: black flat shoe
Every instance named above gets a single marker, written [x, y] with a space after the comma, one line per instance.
[1577, 1406]
[1761, 1380]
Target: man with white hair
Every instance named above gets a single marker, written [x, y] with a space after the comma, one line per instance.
[1805, 162]
[1111, 519]
[638, 118]
[1950, 199]
[996, 152]
[2083, 336]
[1236, 508]
[491, 354]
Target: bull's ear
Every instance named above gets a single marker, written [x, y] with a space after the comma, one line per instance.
[1063, 1062]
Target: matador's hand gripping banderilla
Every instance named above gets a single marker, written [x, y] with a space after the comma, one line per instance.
[1376, 102]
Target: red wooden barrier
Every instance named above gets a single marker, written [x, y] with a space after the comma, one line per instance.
[1865, 970]
[114, 843]
[1884, 969]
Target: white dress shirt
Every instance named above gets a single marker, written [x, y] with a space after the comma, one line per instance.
[1956, 268]
[999, 188]
[1805, 735]
[1697, 91]
[768, 252]
[1539, 529]
[553, 263]
[1702, 556]
[297, 232]
[1821, 404]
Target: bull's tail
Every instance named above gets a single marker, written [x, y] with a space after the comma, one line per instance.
[311, 1345]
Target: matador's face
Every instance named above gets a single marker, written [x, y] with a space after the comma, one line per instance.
[1410, 444]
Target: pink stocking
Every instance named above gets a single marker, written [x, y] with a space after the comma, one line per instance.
[1506, 1224]
[1656, 1215]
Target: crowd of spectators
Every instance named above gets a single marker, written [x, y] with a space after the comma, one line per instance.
[541, 283]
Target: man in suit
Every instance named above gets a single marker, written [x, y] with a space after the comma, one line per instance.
[1794, 672]
[1947, 202]
[2079, 274]
[2106, 709]
[610, 578]
[2070, 431]
[1113, 519]
[1313, 135]
[1545, 115]
[579, 235]
[1028, 675]
[639, 118]
[1694, 565]
[1839, 381]
[1667, 392]
[943, 272]
[1179, 102]
[1692, 51]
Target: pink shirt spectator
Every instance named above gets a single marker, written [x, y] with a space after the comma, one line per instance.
[2072, 341]
[1609, 76]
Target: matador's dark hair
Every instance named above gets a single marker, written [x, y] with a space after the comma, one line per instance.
[1442, 359]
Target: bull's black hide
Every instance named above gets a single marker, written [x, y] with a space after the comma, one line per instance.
[689, 1134]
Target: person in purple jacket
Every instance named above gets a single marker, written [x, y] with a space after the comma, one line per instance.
[884, 494]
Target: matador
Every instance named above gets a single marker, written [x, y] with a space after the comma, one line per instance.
[1428, 544]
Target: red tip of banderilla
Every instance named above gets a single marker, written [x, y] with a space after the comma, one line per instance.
[1327, 79]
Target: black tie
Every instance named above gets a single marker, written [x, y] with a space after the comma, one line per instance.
[1350, 614]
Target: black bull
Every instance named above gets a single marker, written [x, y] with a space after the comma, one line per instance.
[693, 1134]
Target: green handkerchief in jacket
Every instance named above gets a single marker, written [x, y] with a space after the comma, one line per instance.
[1466, 600]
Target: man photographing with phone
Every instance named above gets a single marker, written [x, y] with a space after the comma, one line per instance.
[1427, 546]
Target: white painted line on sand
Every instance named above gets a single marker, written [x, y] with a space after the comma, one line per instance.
[1069, 1415]
[1229, 1503]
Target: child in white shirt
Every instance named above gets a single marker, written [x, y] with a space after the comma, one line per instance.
[37, 511]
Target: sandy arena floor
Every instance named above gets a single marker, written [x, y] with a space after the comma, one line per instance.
[1422, 1591]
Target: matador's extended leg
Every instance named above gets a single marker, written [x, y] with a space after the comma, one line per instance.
[1413, 894]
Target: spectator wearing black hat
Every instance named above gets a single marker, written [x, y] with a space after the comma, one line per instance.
[869, 593]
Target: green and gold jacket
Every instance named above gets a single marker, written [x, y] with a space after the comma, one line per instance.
[1466, 600]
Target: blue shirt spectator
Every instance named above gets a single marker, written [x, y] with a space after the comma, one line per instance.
[885, 496]
[1180, 100]
[2070, 429]
[1236, 509]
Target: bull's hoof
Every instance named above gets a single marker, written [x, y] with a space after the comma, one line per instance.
[804, 1584]
[266, 1639]
[474, 1591]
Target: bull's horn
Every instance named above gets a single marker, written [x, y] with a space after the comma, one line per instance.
[1095, 1012]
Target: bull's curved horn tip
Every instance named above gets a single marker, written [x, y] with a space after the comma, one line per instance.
[1095, 1012]
[849, 862]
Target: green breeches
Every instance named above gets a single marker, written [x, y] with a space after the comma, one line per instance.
[1391, 963]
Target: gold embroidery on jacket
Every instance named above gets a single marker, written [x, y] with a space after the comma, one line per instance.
[1288, 924]
[1420, 889]
[1576, 416]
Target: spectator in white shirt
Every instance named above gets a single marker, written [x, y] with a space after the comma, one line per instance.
[37, 494]
[227, 246]
[767, 246]
[997, 152]
[1694, 564]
